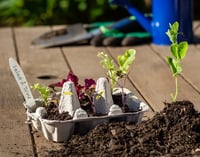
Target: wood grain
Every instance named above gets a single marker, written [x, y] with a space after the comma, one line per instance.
[150, 79]
[14, 134]
[37, 63]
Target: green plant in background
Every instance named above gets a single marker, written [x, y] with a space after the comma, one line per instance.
[37, 12]
[25, 12]
[49, 12]
[178, 51]
[44, 91]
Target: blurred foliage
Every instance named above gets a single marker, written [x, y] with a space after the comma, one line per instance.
[49, 12]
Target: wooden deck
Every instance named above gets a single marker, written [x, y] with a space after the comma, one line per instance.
[150, 79]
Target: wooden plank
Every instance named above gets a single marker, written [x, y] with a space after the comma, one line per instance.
[15, 138]
[153, 79]
[84, 61]
[196, 30]
[86, 64]
[37, 62]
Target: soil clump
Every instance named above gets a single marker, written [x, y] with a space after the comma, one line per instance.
[175, 131]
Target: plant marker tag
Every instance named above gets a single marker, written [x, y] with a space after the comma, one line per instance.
[23, 84]
[69, 100]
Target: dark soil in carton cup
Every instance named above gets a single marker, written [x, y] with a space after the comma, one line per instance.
[175, 131]
[53, 113]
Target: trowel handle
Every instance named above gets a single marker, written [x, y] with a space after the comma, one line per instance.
[145, 22]
[123, 23]
[119, 25]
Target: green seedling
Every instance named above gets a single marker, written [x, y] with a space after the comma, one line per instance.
[44, 91]
[118, 72]
[178, 51]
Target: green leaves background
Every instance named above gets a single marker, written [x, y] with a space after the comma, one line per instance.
[49, 12]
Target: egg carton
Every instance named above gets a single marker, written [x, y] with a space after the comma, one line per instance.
[61, 131]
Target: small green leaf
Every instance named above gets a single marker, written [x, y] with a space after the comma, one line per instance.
[174, 50]
[174, 27]
[182, 49]
[173, 32]
[178, 68]
[44, 91]
[99, 95]
[126, 60]
[108, 64]
[170, 61]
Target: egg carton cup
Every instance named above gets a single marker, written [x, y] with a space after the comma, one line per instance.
[61, 131]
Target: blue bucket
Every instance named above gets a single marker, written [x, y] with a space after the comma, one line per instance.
[169, 11]
[164, 12]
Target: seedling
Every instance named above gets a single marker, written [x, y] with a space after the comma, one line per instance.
[178, 51]
[115, 73]
[85, 92]
[44, 91]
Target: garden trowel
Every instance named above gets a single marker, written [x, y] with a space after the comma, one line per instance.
[79, 32]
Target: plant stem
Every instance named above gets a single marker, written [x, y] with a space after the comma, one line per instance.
[122, 87]
[176, 93]
[123, 98]
[93, 106]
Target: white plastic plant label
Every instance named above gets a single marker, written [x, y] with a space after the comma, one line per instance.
[22, 83]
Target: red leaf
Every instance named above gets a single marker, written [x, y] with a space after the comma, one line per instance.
[81, 90]
[89, 83]
[73, 78]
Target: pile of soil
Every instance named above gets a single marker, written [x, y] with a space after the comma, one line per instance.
[175, 131]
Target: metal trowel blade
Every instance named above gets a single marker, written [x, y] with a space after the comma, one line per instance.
[71, 34]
